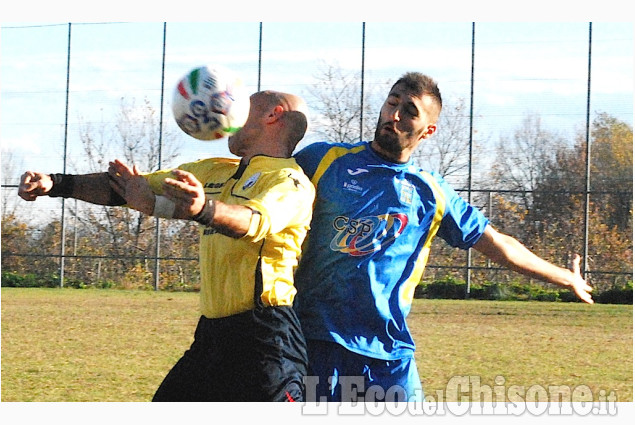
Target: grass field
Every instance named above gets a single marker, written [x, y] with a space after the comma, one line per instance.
[111, 345]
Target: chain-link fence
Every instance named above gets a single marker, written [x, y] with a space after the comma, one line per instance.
[69, 90]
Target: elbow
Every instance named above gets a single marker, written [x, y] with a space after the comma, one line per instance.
[497, 246]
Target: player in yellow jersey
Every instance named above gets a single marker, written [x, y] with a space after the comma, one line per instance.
[254, 215]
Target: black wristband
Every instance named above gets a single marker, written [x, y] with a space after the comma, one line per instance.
[63, 185]
[206, 216]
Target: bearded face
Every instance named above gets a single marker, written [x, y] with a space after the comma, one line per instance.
[404, 121]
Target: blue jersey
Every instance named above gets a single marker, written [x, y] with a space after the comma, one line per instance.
[372, 227]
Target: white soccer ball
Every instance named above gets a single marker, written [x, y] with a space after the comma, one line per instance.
[210, 102]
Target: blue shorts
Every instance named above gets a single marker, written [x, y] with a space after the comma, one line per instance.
[337, 374]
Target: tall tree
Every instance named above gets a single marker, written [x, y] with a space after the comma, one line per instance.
[559, 200]
[336, 98]
[133, 136]
[612, 168]
[447, 151]
[521, 158]
[9, 172]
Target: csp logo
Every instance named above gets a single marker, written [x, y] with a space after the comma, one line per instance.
[363, 236]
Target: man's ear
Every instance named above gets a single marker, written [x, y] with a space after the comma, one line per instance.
[275, 114]
[432, 128]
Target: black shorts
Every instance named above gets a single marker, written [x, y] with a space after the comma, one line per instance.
[258, 355]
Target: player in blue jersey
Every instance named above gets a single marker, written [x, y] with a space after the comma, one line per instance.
[374, 219]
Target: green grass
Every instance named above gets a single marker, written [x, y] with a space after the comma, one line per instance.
[525, 343]
[113, 345]
[91, 345]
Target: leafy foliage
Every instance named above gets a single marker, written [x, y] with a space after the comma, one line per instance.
[451, 288]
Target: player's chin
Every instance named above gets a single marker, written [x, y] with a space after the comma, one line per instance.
[388, 141]
[232, 141]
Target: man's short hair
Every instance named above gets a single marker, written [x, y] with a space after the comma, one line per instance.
[421, 84]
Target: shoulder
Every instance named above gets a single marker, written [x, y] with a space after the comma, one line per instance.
[275, 169]
[202, 165]
[209, 163]
[313, 155]
[321, 148]
[435, 180]
[434, 187]
[211, 168]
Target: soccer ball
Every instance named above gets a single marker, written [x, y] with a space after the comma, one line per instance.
[210, 102]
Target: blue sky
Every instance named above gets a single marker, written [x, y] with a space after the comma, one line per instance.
[520, 68]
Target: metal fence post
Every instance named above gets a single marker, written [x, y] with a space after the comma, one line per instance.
[63, 221]
[587, 196]
[259, 54]
[468, 259]
[157, 220]
[361, 101]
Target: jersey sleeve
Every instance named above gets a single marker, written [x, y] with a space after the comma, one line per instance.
[463, 224]
[156, 179]
[281, 199]
[200, 169]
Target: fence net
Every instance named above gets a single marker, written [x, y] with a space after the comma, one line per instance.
[525, 105]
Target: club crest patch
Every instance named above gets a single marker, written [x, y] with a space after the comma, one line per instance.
[251, 181]
[407, 191]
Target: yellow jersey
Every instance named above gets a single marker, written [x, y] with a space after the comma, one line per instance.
[261, 264]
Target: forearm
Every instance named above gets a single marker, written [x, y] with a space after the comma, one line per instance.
[509, 252]
[189, 202]
[230, 220]
[94, 188]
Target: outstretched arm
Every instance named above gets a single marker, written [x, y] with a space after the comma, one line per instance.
[183, 198]
[94, 188]
[132, 186]
[191, 204]
[509, 252]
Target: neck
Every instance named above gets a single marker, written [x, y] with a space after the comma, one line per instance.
[400, 157]
[273, 149]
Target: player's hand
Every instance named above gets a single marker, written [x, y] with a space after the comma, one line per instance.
[132, 186]
[579, 285]
[33, 185]
[186, 192]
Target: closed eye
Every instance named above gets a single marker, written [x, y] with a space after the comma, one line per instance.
[412, 110]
